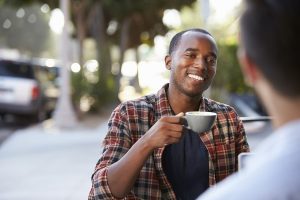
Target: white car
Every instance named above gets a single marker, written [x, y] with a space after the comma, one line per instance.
[24, 89]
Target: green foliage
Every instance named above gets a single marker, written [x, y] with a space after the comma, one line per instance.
[29, 33]
[18, 3]
[229, 75]
[191, 16]
[145, 17]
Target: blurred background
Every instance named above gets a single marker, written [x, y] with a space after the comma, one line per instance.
[65, 64]
[114, 50]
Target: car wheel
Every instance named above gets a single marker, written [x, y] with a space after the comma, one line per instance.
[40, 116]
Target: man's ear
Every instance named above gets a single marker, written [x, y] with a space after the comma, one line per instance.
[248, 67]
[168, 62]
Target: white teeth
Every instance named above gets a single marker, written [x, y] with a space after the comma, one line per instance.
[199, 78]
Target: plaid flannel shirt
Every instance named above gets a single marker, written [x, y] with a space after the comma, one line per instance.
[132, 119]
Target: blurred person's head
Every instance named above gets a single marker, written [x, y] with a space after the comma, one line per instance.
[269, 52]
[192, 61]
[270, 31]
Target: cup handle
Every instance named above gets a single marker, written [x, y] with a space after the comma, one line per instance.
[185, 122]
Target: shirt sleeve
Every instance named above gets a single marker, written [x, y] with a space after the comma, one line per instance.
[116, 143]
[240, 138]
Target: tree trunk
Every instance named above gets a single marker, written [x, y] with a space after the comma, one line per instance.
[124, 36]
[135, 80]
[103, 90]
[80, 7]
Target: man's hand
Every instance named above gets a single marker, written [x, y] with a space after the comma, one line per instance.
[167, 130]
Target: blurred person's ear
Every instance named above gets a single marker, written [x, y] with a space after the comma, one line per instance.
[168, 62]
[248, 67]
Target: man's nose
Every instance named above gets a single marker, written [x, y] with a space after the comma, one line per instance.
[200, 63]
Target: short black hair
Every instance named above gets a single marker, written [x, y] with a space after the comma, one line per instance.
[270, 34]
[176, 38]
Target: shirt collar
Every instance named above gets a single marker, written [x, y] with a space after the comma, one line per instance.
[163, 105]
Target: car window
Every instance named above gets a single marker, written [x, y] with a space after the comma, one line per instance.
[16, 69]
[46, 74]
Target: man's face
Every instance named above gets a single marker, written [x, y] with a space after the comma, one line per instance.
[193, 63]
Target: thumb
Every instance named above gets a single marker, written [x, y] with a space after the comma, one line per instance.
[181, 114]
[182, 119]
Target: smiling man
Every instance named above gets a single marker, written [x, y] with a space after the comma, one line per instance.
[149, 154]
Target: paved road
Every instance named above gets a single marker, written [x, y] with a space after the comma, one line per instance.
[7, 129]
[9, 126]
[43, 162]
[5, 133]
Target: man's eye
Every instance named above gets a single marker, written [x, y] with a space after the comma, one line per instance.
[211, 60]
[191, 55]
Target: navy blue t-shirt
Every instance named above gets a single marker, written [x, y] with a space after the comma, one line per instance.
[186, 166]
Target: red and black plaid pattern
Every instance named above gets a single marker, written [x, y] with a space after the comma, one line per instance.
[132, 119]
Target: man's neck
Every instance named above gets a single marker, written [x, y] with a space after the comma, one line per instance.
[283, 109]
[285, 112]
[180, 102]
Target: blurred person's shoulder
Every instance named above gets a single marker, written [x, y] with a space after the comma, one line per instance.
[270, 173]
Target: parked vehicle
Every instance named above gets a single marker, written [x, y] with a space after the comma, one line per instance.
[27, 90]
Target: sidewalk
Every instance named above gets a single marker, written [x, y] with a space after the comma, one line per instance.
[42, 162]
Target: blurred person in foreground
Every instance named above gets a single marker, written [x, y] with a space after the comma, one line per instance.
[149, 154]
[269, 55]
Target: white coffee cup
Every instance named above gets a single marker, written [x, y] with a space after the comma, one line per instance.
[200, 121]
